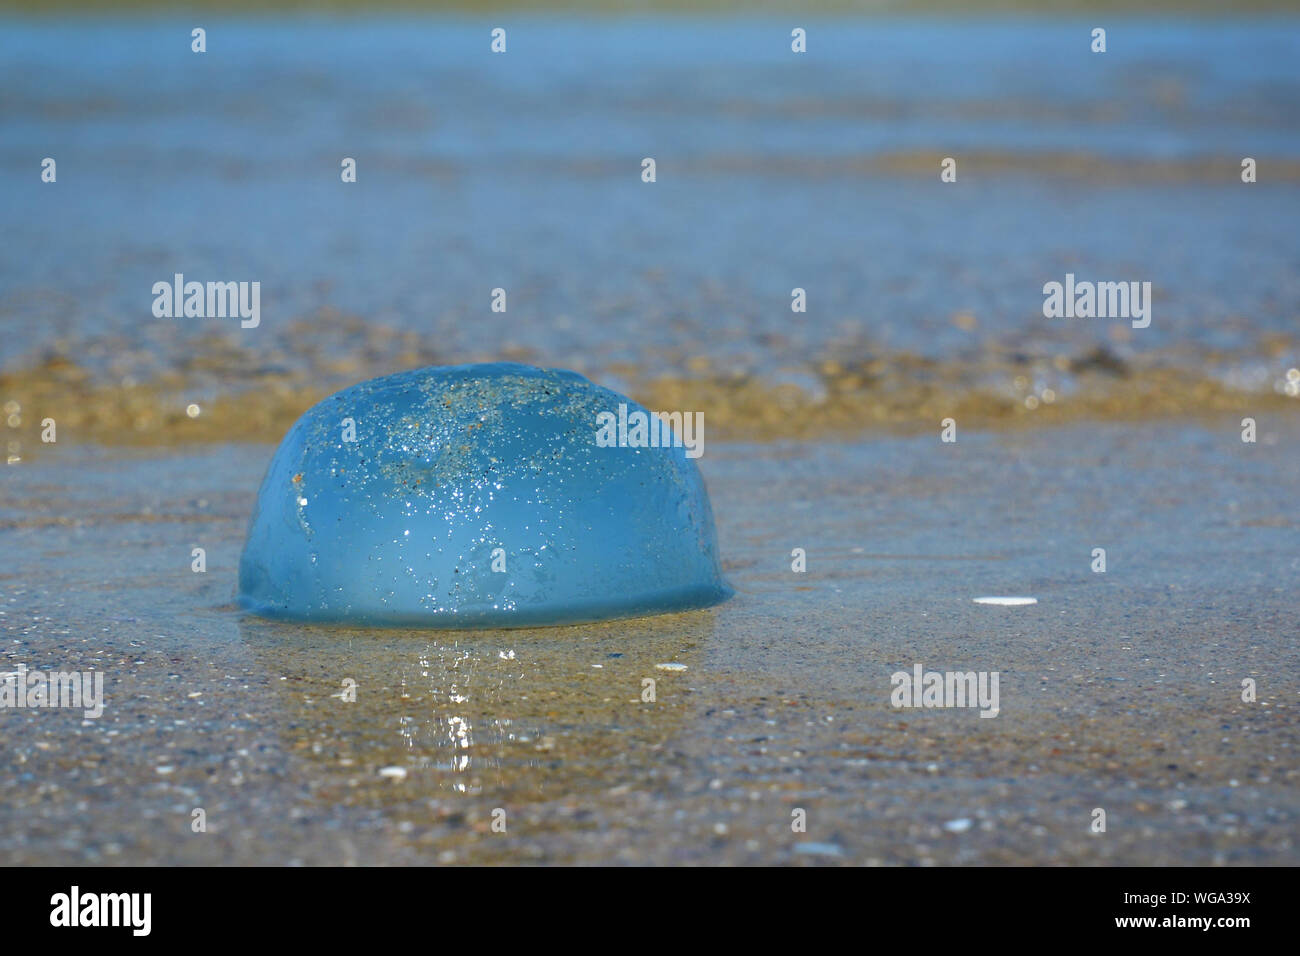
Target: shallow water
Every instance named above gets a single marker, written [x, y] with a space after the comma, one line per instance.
[1119, 690]
[522, 171]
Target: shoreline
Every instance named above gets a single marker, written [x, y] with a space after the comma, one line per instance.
[902, 395]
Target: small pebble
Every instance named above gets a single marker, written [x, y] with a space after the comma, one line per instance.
[819, 849]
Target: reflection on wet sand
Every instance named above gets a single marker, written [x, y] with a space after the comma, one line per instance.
[509, 715]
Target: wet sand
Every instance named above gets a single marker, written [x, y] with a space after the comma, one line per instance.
[1119, 690]
[239, 392]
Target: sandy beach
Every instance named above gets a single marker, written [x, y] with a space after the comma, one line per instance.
[1119, 690]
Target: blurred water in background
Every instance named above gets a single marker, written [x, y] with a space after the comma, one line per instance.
[522, 171]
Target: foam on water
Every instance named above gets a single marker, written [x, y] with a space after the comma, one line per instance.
[476, 496]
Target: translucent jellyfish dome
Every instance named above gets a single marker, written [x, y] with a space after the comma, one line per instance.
[477, 496]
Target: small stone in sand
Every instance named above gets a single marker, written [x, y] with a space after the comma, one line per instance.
[819, 849]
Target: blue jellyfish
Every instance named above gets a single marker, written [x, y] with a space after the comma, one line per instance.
[477, 496]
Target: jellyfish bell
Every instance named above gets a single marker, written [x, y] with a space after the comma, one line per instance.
[476, 496]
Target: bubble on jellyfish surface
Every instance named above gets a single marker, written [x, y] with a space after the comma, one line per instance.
[477, 496]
